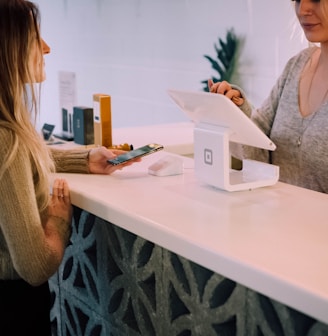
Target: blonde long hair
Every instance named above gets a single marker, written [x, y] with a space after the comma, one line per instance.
[19, 31]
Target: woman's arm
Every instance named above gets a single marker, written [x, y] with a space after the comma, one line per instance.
[86, 161]
[36, 247]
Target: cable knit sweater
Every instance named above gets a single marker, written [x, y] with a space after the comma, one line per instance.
[304, 165]
[21, 248]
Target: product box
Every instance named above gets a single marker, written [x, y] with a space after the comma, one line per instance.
[83, 125]
[102, 120]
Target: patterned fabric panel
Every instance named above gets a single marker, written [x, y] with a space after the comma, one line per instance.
[114, 283]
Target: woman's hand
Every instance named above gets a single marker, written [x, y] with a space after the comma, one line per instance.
[98, 160]
[60, 204]
[226, 89]
[57, 226]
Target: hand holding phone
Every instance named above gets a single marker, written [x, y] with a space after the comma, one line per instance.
[136, 153]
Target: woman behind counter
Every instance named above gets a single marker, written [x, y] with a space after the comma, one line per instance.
[34, 225]
[295, 115]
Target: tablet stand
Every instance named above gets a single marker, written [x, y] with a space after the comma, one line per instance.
[212, 162]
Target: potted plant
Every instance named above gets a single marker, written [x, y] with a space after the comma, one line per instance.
[227, 58]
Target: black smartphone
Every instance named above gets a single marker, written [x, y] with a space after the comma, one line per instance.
[136, 153]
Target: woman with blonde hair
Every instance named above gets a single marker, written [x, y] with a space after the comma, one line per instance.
[34, 225]
[295, 115]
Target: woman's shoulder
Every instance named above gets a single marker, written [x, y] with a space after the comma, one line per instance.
[303, 56]
[297, 62]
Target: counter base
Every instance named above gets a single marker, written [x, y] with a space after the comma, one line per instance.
[112, 282]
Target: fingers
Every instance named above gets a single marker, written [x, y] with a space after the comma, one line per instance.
[220, 87]
[225, 89]
[235, 96]
[238, 100]
[118, 151]
[66, 190]
[60, 189]
[99, 156]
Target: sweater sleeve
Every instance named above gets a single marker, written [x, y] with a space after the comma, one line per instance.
[246, 107]
[22, 237]
[71, 161]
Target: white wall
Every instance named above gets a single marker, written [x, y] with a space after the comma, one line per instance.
[135, 50]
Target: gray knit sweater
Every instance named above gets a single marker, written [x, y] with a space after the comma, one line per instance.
[305, 164]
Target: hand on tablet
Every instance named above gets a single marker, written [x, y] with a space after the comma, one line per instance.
[225, 88]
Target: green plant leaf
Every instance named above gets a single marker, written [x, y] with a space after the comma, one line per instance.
[215, 65]
[227, 55]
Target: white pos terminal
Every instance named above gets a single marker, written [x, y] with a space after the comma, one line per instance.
[218, 121]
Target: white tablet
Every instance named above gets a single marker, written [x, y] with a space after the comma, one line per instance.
[216, 109]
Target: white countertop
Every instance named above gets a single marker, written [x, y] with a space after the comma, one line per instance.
[272, 240]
